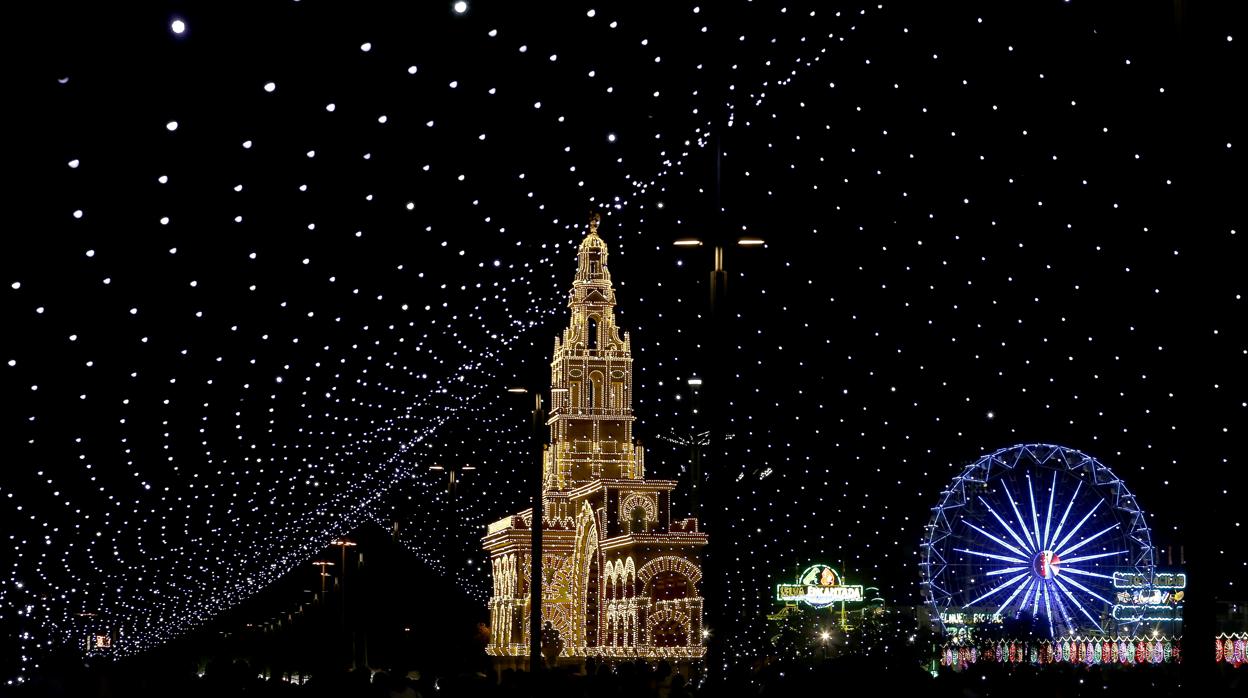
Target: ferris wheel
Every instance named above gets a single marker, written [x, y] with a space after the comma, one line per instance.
[1034, 529]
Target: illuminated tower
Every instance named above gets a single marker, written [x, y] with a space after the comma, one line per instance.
[591, 376]
[620, 574]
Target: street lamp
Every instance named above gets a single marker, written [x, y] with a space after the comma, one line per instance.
[344, 543]
[695, 440]
[867, 598]
[719, 277]
[715, 386]
[453, 473]
[695, 387]
[535, 554]
[452, 483]
[323, 564]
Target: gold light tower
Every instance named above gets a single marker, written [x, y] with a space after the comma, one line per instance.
[620, 574]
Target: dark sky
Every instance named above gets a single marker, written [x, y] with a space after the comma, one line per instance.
[259, 275]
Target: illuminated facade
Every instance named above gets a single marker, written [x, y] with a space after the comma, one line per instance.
[620, 574]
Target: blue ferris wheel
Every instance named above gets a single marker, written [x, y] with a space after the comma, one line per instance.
[1036, 530]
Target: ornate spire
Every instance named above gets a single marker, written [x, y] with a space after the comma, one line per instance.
[592, 258]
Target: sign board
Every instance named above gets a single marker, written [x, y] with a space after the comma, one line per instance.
[1161, 580]
[1151, 597]
[965, 618]
[1131, 613]
[818, 587]
[1141, 599]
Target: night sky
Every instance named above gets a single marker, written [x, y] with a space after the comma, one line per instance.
[261, 273]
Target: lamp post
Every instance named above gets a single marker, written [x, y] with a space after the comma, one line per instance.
[716, 384]
[323, 564]
[453, 553]
[719, 240]
[344, 543]
[867, 598]
[535, 554]
[695, 440]
[453, 472]
[700, 440]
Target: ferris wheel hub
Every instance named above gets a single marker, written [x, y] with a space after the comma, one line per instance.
[1046, 564]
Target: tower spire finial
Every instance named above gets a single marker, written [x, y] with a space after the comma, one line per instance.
[594, 218]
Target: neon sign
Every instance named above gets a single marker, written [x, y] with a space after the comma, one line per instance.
[964, 618]
[1155, 597]
[1161, 580]
[818, 587]
[1131, 613]
[1141, 599]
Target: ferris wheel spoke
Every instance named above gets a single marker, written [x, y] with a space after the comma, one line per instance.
[1078, 605]
[1085, 541]
[1031, 589]
[1035, 598]
[1004, 525]
[1075, 570]
[1006, 570]
[1075, 583]
[1069, 505]
[998, 540]
[1082, 558]
[1048, 518]
[1048, 610]
[1079, 525]
[1063, 613]
[1017, 514]
[994, 591]
[1035, 521]
[1061, 621]
[1022, 585]
[991, 556]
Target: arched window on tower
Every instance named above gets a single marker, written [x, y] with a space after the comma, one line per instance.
[595, 388]
[591, 329]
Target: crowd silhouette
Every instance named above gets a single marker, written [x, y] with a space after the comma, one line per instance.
[636, 679]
